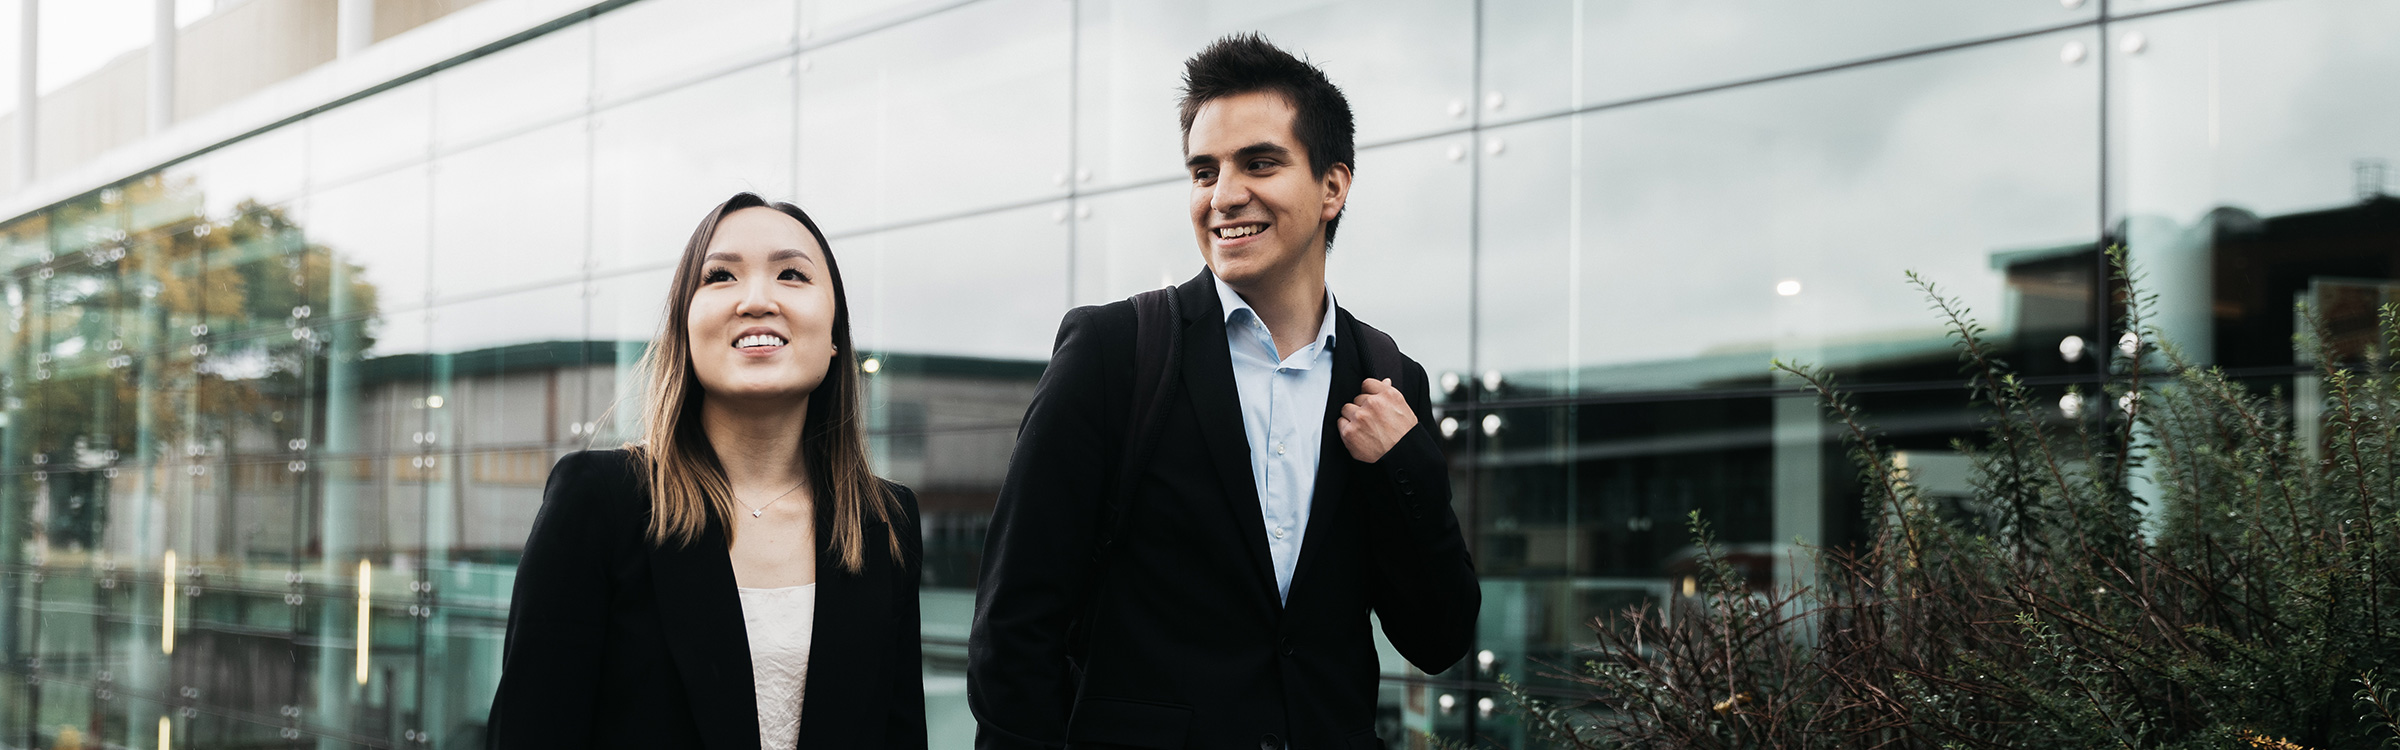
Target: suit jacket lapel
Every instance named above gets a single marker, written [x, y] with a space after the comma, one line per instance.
[846, 643]
[1333, 458]
[701, 615]
[1208, 382]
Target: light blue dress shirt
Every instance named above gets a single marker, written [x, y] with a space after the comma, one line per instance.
[1283, 415]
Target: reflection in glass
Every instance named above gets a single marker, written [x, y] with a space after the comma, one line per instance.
[369, 135]
[962, 110]
[656, 42]
[528, 85]
[513, 213]
[660, 163]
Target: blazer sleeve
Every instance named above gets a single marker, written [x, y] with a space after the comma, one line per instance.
[1423, 588]
[550, 660]
[906, 722]
[1036, 566]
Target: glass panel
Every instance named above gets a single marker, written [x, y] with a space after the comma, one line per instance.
[946, 391]
[660, 163]
[624, 319]
[1406, 67]
[1131, 241]
[2255, 171]
[511, 214]
[1402, 254]
[376, 228]
[647, 44]
[527, 85]
[882, 112]
[371, 134]
[1632, 49]
[263, 169]
[1010, 268]
[1974, 168]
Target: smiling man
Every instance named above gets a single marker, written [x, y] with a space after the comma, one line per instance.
[1217, 484]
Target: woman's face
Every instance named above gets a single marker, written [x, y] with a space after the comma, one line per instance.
[761, 324]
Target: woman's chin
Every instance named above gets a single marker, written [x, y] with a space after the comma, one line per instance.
[763, 394]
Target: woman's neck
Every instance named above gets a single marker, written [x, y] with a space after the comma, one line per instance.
[758, 443]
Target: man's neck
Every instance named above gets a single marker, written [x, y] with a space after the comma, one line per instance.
[1292, 305]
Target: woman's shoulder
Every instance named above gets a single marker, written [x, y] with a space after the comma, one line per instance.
[603, 481]
[613, 466]
[900, 493]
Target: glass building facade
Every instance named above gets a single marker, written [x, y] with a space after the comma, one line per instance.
[277, 414]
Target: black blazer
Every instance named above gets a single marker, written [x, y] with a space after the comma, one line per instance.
[614, 642]
[1189, 647]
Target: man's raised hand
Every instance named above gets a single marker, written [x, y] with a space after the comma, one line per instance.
[1375, 421]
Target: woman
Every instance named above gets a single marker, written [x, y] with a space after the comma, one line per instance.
[738, 578]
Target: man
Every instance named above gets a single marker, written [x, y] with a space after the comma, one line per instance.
[1290, 490]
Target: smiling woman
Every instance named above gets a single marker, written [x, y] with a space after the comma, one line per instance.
[672, 575]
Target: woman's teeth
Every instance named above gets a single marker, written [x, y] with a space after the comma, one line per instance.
[757, 339]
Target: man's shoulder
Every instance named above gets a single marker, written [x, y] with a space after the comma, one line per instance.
[1378, 350]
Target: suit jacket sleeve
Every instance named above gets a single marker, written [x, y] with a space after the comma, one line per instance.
[906, 727]
[550, 660]
[1424, 587]
[1037, 553]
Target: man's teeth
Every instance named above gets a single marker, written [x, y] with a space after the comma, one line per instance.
[1241, 231]
[757, 339]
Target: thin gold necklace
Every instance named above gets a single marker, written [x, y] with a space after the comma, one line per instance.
[762, 510]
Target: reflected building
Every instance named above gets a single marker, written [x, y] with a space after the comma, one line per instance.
[285, 372]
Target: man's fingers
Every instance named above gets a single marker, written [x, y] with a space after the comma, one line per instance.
[1374, 386]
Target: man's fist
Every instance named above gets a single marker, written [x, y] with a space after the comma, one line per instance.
[1375, 421]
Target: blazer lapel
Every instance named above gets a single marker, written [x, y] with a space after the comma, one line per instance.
[1208, 379]
[1333, 458]
[701, 615]
[847, 680]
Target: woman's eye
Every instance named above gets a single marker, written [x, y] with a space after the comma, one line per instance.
[715, 276]
[790, 274]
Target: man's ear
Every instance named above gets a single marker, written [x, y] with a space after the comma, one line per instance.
[1336, 183]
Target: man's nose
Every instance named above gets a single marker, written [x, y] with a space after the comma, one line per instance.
[1229, 195]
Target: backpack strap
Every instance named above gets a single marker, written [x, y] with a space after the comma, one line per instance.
[1157, 358]
[1379, 353]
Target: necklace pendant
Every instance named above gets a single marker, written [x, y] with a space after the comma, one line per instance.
[756, 513]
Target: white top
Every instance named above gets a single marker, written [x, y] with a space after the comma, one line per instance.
[779, 623]
[1283, 403]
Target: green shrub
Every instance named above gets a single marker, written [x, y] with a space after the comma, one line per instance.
[2261, 610]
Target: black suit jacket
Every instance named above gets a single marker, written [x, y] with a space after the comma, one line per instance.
[1188, 645]
[615, 642]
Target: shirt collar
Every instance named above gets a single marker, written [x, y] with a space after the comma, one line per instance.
[1232, 302]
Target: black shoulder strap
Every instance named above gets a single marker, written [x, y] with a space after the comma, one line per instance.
[1157, 358]
[1379, 353]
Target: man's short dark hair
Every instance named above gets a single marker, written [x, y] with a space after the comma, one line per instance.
[1248, 63]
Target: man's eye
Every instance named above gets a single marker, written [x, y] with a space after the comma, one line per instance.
[791, 274]
[716, 275]
[1204, 175]
[1261, 165]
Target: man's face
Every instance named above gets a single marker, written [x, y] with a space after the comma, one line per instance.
[1257, 212]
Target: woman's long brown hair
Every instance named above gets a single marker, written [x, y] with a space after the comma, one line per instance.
[688, 489]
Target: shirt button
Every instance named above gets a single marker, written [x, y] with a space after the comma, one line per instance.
[1279, 532]
[1278, 449]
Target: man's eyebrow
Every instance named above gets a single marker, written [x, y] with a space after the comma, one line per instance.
[1261, 148]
